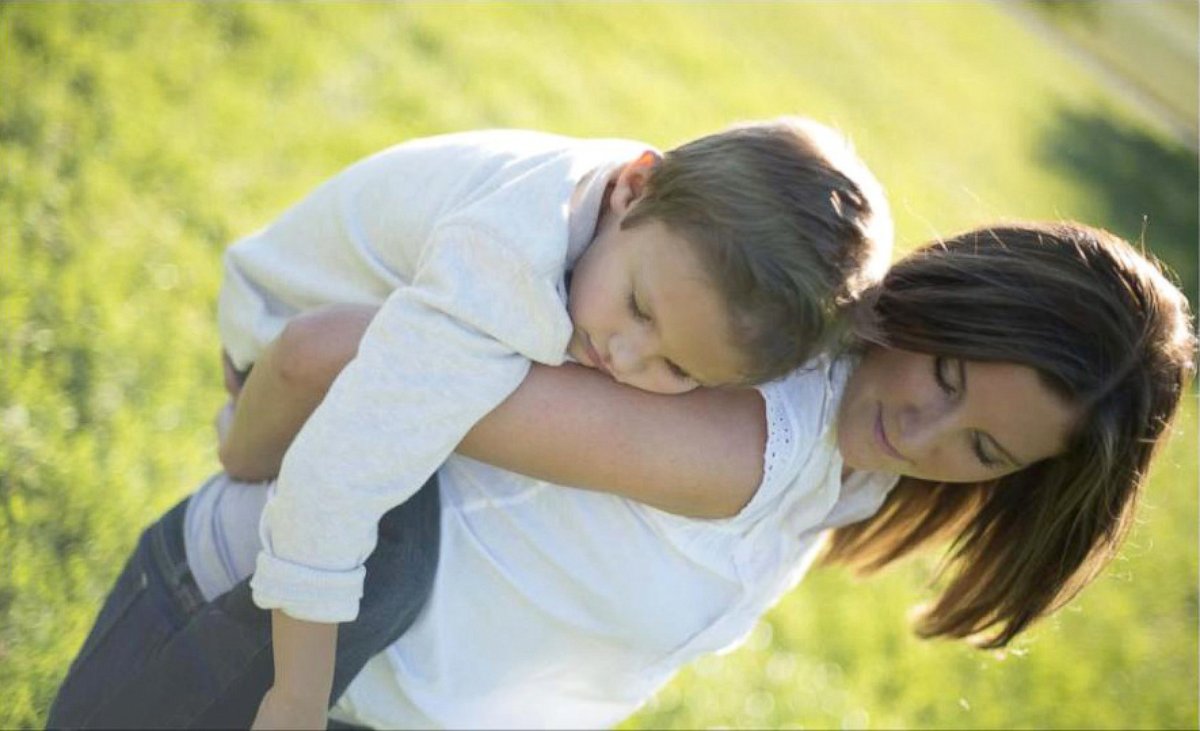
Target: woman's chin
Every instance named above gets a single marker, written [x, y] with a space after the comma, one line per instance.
[853, 457]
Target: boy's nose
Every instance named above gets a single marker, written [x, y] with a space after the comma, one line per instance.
[627, 353]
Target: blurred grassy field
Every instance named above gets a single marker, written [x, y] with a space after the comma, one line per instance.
[1148, 45]
[139, 139]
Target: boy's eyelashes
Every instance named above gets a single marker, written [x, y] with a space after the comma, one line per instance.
[678, 372]
[641, 316]
[636, 310]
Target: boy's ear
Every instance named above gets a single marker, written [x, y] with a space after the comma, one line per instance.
[631, 182]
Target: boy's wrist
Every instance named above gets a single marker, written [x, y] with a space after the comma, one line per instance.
[296, 697]
[281, 710]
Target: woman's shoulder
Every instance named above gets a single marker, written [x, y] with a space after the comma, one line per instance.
[800, 451]
[805, 401]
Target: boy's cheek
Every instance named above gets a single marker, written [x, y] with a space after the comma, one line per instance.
[576, 350]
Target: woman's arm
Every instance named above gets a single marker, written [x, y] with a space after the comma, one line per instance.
[698, 454]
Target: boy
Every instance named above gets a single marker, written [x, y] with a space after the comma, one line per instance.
[723, 262]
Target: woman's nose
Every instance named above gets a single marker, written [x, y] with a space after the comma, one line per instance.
[923, 426]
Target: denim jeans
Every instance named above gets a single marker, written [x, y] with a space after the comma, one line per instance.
[159, 656]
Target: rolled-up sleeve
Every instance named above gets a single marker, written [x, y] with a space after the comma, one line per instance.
[439, 356]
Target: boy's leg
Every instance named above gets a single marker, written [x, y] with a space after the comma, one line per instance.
[160, 657]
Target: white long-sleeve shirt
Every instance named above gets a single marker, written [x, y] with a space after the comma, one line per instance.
[464, 240]
[554, 607]
[561, 608]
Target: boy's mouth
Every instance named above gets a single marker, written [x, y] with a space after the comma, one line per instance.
[593, 355]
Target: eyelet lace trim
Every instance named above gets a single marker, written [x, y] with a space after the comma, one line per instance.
[779, 435]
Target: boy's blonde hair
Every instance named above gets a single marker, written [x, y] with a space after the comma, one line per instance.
[789, 223]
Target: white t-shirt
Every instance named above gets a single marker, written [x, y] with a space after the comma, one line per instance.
[555, 607]
[464, 240]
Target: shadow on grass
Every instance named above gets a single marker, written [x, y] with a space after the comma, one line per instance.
[1141, 184]
[1067, 10]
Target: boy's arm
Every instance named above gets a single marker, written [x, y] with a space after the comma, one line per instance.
[376, 438]
[698, 454]
[304, 658]
[368, 447]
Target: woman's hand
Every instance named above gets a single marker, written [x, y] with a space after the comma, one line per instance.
[286, 385]
[233, 380]
[224, 420]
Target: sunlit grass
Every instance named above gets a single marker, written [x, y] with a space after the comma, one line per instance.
[138, 139]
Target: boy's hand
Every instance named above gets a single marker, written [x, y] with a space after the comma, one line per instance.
[278, 711]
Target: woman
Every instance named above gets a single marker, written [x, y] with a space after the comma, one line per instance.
[1007, 393]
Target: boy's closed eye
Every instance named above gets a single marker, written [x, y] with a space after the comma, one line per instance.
[636, 310]
[640, 314]
[680, 373]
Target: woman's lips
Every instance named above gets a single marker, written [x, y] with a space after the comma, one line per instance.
[881, 438]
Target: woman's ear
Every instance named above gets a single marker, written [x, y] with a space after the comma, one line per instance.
[631, 181]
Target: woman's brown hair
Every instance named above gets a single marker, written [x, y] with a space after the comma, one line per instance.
[1105, 329]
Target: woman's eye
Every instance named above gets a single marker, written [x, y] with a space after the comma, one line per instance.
[980, 454]
[941, 373]
[637, 311]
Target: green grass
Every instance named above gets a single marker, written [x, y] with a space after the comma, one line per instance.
[139, 139]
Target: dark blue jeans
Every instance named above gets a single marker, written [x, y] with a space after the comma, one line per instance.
[159, 656]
